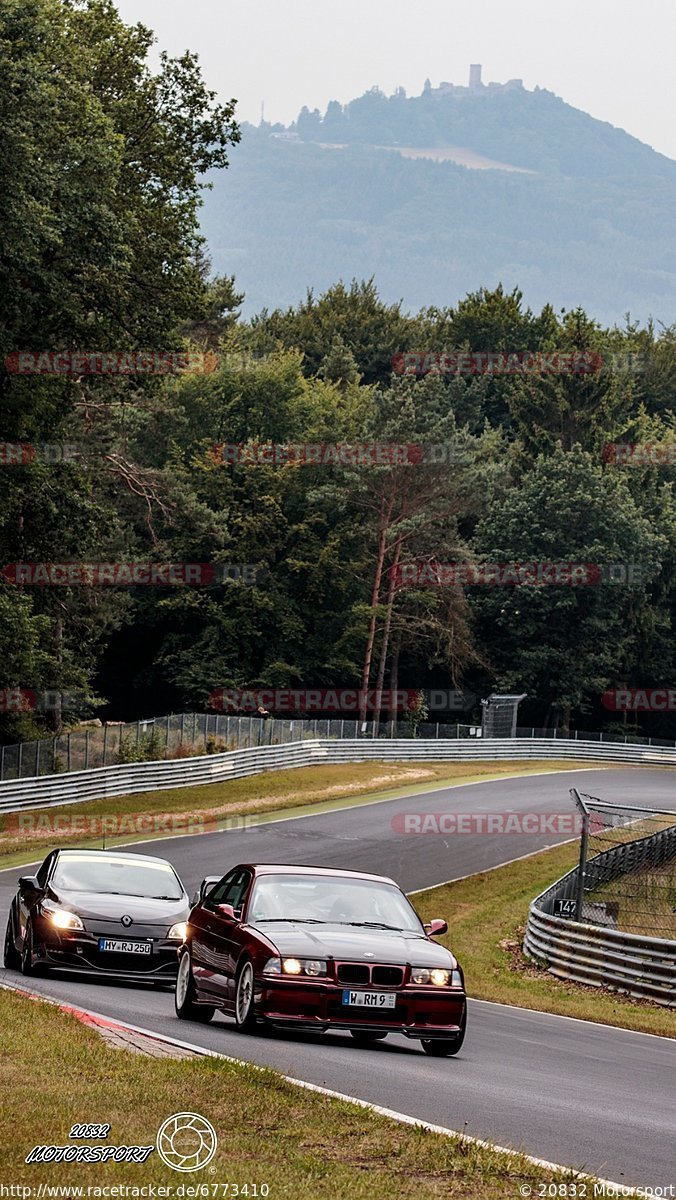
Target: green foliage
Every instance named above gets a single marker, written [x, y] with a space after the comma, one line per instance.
[100, 183]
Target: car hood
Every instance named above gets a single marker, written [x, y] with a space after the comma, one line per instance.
[352, 944]
[142, 909]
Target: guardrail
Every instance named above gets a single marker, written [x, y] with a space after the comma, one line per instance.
[597, 955]
[131, 778]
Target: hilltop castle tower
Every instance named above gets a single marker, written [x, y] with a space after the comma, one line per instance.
[475, 85]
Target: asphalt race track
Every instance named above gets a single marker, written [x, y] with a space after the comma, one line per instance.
[583, 1095]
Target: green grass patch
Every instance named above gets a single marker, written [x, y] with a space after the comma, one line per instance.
[171, 812]
[57, 1073]
[486, 917]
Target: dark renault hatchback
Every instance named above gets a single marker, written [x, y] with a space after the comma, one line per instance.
[104, 912]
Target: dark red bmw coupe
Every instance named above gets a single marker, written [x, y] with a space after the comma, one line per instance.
[317, 948]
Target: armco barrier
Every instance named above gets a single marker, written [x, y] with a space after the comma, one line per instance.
[624, 962]
[131, 778]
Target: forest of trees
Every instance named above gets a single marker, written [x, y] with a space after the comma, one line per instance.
[100, 171]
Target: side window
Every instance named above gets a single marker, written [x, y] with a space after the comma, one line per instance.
[231, 889]
[216, 895]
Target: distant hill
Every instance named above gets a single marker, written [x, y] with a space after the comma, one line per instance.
[574, 212]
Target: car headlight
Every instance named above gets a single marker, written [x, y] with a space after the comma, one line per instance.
[179, 931]
[311, 967]
[436, 977]
[64, 919]
[314, 966]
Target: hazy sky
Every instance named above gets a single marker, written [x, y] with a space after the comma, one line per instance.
[611, 58]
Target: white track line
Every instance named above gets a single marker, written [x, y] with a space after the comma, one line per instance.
[392, 1114]
[580, 1020]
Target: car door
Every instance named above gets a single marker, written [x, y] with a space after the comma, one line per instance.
[217, 940]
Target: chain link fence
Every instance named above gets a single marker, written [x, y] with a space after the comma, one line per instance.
[184, 735]
[627, 873]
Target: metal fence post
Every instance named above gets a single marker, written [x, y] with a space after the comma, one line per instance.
[582, 868]
[105, 745]
[2, 763]
[86, 749]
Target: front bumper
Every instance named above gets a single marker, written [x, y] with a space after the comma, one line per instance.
[419, 1012]
[79, 951]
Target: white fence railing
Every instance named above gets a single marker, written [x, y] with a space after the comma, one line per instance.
[127, 779]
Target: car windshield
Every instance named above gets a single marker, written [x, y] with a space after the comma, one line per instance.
[117, 877]
[331, 899]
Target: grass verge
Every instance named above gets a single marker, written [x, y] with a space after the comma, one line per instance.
[486, 917]
[301, 1144]
[176, 811]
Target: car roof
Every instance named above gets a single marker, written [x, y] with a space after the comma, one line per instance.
[292, 869]
[126, 854]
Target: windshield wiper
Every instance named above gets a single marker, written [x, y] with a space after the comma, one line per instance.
[371, 925]
[293, 920]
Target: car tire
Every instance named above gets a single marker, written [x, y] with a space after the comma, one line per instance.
[11, 957]
[245, 1016]
[444, 1047]
[27, 967]
[184, 994]
[364, 1036]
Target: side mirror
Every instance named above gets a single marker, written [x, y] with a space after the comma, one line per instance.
[436, 927]
[206, 886]
[227, 911]
[29, 883]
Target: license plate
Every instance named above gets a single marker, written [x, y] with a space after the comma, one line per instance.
[370, 999]
[118, 946]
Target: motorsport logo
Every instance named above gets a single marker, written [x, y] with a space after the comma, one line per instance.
[186, 1141]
